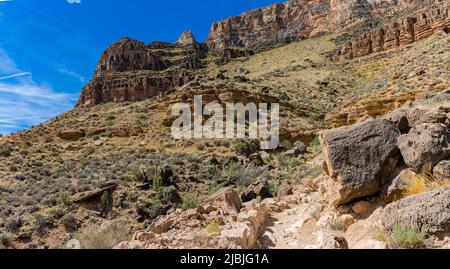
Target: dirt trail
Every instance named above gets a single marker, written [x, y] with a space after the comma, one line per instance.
[292, 228]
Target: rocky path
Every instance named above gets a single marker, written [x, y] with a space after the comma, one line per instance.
[293, 226]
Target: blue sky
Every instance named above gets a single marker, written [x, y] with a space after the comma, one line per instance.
[49, 48]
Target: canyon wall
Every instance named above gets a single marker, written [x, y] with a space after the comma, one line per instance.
[129, 70]
[432, 20]
[297, 19]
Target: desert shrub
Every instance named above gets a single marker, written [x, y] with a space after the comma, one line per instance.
[70, 222]
[110, 117]
[5, 241]
[149, 207]
[157, 183]
[273, 187]
[43, 223]
[64, 198]
[315, 142]
[407, 237]
[285, 144]
[337, 225]
[311, 171]
[247, 147]
[214, 227]
[190, 201]
[5, 151]
[213, 188]
[210, 172]
[106, 238]
[169, 195]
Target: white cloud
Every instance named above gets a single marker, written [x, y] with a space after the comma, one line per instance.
[23, 102]
[7, 65]
[74, 1]
[73, 74]
[23, 74]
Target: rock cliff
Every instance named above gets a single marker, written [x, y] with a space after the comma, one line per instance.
[130, 70]
[297, 19]
[431, 20]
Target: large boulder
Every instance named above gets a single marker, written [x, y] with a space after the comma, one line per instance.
[71, 134]
[425, 146]
[359, 158]
[430, 210]
[226, 198]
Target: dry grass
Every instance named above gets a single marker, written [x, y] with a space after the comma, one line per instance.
[214, 227]
[105, 239]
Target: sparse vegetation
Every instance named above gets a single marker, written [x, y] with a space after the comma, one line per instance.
[407, 237]
[337, 225]
[214, 227]
[106, 238]
[5, 151]
[190, 201]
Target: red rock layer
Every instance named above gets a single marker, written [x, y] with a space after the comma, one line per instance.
[432, 20]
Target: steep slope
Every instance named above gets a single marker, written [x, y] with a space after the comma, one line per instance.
[112, 159]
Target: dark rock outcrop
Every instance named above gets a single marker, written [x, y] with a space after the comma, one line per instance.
[359, 159]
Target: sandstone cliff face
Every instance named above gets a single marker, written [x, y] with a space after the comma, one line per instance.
[129, 70]
[425, 23]
[296, 19]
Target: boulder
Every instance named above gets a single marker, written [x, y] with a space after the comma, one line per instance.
[362, 208]
[359, 158]
[430, 210]
[71, 134]
[408, 118]
[284, 190]
[360, 234]
[258, 189]
[226, 198]
[425, 146]
[442, 170]
[240, 235]
[300, 147]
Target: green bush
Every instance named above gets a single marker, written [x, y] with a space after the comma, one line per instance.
[5, 151]
[190, 201]
[407, 237]
[64, 198]
[157, 183]
[247, 147]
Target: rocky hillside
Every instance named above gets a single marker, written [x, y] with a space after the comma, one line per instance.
[109, 174]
